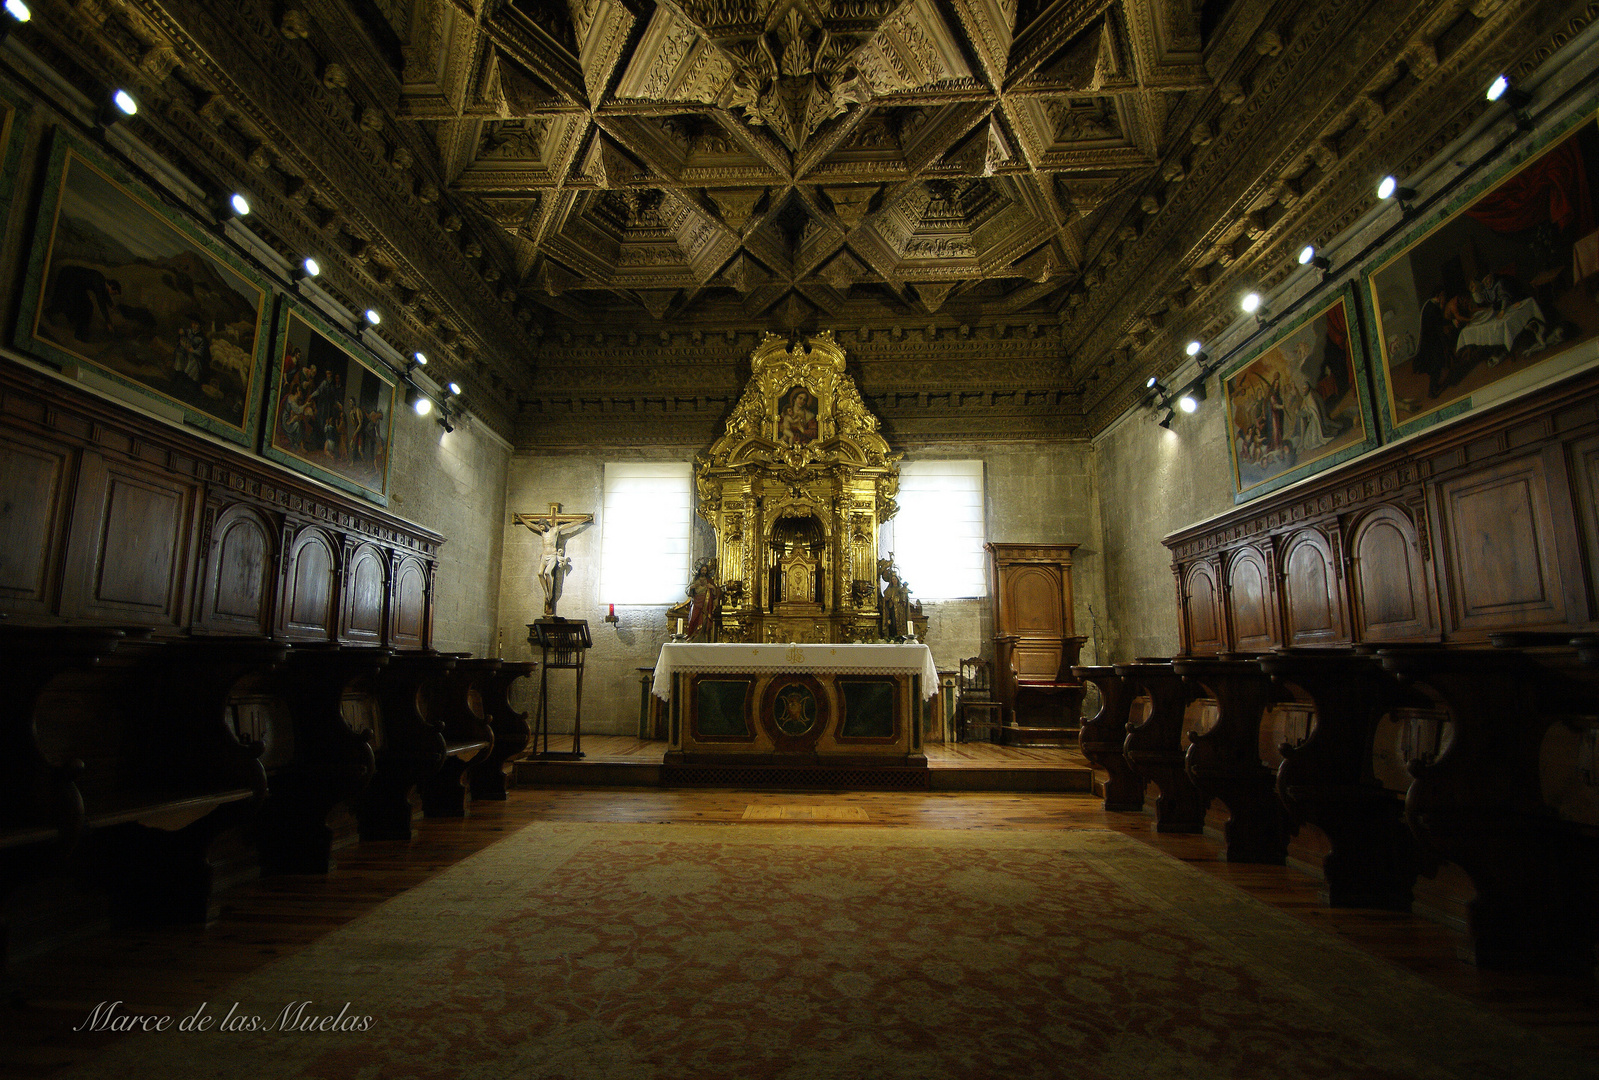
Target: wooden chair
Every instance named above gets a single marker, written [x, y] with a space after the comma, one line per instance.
[979, 709]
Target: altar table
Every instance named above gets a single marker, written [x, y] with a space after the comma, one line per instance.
[795, 702]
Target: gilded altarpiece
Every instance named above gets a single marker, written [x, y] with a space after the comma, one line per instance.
[796, 487]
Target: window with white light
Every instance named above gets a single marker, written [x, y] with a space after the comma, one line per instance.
[644, 543]
[937, 536]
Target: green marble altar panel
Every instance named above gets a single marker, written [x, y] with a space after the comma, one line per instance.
[722, 708]
[868, 708]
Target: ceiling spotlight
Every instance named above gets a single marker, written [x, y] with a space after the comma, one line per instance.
[1188, 403]
[1389, 188]
[240, 205]
[1251, 303]
[124, 103]
[1307, 253]
[1193, 348]
[454, 388]
[420, 403]
[421, 361]
[1167, 419]
[372, 317]
[1155, 386]
[1497, 88]
[18, 10]
[311, 267]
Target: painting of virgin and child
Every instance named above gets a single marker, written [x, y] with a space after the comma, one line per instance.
[331, 411]
[1505, 282]
[1298, 405]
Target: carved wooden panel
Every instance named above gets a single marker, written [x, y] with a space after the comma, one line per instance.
[1500, 548]
[308, 610]
[409, 625]
[365, 592]
[33, 493]
[1250, 599]
[240, 573]
[1032, 594]
[1312, 602]
[129, 552]
[1585, 488]
[1202, 614]
[1388, 577]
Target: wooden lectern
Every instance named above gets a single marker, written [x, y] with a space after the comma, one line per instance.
[564, 643]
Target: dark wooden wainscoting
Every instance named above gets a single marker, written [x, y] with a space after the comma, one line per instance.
[1491, 524]
[109, 517]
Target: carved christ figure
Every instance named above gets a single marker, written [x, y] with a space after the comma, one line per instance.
[553, 529]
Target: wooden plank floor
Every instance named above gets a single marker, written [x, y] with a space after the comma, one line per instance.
[177, 969]
[629, 749]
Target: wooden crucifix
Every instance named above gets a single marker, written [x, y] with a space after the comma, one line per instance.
[554, 528]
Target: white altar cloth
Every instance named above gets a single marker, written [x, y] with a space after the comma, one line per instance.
[735, 659]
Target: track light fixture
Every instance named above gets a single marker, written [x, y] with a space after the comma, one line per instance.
[1309, 256]
[16, 12]
[454, 389]
[232, 205]
[308, 268]
[1390, 188]
[1188, 403]
[1513, 96]
[447, 417]
[1155, 386]
[1167, 419]
[372, 317]
[1193, 348]
[419, 402]
[419, 359]
[1252, 303]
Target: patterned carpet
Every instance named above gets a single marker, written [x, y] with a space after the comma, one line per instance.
[800, 952]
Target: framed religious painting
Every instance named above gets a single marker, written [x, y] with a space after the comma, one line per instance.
[14, 112]
[331, 411]
[123, 284]
[797, 411]
[1498, 294]
[1300, 404]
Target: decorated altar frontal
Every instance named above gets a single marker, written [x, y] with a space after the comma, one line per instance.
[832, 703]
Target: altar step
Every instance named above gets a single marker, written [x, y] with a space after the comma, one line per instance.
[623, 761]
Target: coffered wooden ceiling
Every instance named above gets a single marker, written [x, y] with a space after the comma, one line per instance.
[1010, 211]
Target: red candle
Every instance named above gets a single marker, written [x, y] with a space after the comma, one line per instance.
[613, 609]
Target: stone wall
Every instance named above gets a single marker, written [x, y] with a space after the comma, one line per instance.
[1154, 481]
[1041, 494]
[454, 483]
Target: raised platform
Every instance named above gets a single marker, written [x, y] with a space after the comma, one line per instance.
[624, 761]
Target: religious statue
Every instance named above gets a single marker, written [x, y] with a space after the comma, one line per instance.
[896, 607]
[704, 600]
[553, 528]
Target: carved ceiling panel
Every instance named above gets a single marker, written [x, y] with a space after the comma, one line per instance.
[1041, 198]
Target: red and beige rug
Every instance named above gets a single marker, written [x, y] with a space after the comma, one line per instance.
[798, 952]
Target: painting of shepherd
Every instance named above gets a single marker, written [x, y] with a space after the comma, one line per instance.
[127, 291]
[330, 411]
[1298, 406]
[1504, 283]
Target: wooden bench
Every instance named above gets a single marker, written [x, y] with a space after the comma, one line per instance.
[1104, 737]
[1224, 760]
[1334, 779]
[1482, 802]
[413, 747]
[319, 750]
[468, 738]
[157, 767]
[489, 694]
[1154, 746]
